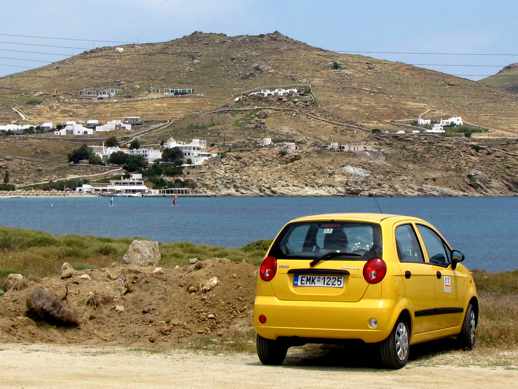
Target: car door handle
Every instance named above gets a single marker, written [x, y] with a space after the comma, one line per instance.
[408, 274]
[439, 274]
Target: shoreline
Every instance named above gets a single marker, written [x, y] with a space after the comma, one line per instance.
[48, 194]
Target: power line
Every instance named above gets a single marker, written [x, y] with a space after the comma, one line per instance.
[61, 38]
[445, 53]
[43, 45]
[34, 52]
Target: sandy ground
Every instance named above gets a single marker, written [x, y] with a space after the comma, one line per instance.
[79, 367]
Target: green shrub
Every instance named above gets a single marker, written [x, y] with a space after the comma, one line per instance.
[106, 250]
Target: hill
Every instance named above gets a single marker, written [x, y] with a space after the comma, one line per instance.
[338, 98]
[506, 79]
[219, 68]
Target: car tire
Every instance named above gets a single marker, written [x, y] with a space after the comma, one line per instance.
[467, 336]
[271, 352]
[394, 350]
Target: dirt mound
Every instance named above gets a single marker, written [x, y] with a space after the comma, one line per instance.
[137, 306]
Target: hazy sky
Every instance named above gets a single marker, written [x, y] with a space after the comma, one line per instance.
[376, 25]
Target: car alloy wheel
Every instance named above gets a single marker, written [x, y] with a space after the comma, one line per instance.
[472, 326]
[401, 338]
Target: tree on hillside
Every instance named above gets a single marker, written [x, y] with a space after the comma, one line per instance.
[135, 163]
[6, 177]
[84, 153]
[111, 142]
[174, 155]
[135, 144]
[118, 158]
[80, 154]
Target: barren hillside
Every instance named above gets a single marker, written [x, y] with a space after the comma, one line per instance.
[506, 79]
[219, 67]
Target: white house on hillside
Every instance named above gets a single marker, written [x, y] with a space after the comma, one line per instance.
[113, 125]
[196, 151]
[424, 122]
[453, 121]
[149, 154]
[436, 129]
[73, 128]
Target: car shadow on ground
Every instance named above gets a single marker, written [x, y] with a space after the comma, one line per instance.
[358, 356]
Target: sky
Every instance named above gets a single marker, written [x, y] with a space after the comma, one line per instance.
[460, 26]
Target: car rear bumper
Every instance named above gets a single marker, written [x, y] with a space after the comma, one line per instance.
[323, 320]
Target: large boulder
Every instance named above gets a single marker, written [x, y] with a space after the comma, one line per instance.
[15, 282]
[142, 253]
[42, 304]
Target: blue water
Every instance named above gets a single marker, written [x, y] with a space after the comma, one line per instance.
[485, 229]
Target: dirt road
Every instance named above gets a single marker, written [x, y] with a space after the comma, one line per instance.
[80, 367]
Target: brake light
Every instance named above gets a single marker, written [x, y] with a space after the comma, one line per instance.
[268, 268]
[374, 270]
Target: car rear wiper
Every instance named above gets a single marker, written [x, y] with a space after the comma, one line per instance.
[336, 254]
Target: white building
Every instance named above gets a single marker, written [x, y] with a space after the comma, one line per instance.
[453, 121]
[99, 93]
[15, 127]
[436, 129]
[149, 154]
[47, 126]
[172, 91]
[113, 125]
[92, 123]
[73, 128]
[133, 186]
[195, 152]
[288, 147]
[265, 142]
[424, 122]
[276, 92]
[350, 147]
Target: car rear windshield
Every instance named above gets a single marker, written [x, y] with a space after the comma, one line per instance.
[349, 240]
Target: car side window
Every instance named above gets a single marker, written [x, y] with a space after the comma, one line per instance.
[437, 252]
[408, 247]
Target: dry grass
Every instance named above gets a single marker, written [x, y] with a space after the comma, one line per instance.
[37, 254]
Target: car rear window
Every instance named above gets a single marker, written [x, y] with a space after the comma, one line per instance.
[354, 240]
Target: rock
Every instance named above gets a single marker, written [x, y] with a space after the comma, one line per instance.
[210, 284]
[262, 114]
[119, 308]
[67, 271]
[85, 277]
[142, 253]
[192, 261]
[211, 316]
[192, 289]
[44, 305]
[1, 292]
[15, 282]
[158, 270]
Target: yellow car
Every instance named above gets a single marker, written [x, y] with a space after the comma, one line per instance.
[385, 279]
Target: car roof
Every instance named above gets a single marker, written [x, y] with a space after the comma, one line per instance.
[360, 217]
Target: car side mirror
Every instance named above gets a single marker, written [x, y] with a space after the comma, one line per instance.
[456, 258]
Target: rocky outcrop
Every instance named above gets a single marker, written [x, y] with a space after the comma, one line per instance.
[42, 304]
[142, 253]
[15, 282]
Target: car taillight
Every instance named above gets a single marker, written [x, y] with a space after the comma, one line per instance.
[268, 268]
[374, 270]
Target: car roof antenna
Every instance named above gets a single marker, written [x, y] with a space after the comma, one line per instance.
[378, 204]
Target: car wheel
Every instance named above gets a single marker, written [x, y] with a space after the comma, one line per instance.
[271, 352]
[466, 338]
[395, 349]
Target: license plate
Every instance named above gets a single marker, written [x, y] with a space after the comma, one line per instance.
[318, 281]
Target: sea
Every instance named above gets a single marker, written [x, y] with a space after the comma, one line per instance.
[484, 228]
